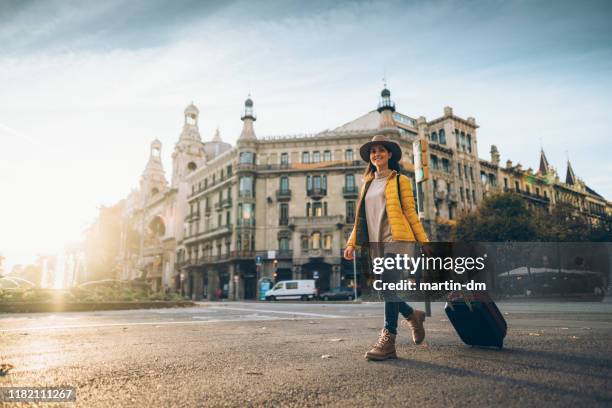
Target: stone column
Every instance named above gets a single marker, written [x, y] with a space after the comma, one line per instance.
[186, 285]
[232, 295]
[297, 272]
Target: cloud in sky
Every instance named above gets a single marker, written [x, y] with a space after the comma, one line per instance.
[87, 85]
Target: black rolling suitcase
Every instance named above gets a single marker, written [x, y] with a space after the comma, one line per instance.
[476, 319]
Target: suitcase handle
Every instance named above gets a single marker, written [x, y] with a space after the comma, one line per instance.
[467, 302]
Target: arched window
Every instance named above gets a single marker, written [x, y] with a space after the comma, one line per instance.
[327, 155]
[305, 157]
[434, 137]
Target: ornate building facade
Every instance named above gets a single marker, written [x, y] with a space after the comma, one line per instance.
[283, 207]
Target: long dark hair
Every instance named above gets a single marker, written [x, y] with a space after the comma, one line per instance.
[393, 165]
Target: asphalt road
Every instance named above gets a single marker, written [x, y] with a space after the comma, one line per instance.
[254, 354]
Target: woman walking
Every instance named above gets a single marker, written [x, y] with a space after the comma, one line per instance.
[381, 220]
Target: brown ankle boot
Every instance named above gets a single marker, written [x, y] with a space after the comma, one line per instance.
[415, 322]
[384, 347]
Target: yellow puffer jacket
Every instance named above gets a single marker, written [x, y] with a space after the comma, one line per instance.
[404, 222]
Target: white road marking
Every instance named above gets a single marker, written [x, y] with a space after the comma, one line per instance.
[88, 326]
[282, 312]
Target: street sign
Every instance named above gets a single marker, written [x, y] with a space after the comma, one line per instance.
[258, 259]
[315, 275]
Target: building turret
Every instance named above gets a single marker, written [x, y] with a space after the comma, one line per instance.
[386, 107]
[190, 127]
[494, 155]
[248, 117]
[188, 153]
[153, 179]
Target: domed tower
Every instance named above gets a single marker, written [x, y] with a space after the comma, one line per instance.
[386, 107]
[248, 117]
[247, 175]
[153, 179]
[189, 152]
[216, 146]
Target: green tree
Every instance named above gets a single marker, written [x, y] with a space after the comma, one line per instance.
[501, 217]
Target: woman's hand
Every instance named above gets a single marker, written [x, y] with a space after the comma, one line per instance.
[349, 253]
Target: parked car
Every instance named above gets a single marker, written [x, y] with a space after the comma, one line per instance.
[294, 289]
[338, 294]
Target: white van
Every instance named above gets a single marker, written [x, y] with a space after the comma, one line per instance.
[294, 289]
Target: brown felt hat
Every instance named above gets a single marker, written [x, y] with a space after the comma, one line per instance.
[392, 146]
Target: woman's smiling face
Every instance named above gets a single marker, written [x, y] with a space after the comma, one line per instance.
[379, 156]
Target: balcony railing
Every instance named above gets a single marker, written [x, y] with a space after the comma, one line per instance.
[317, 193]
[283, 194]
[323, 220]
[350, 191]
[226, 202]
[284, 254]
[283, 221]
[246, 223]
[317, 253]
[193, 216]
[308, 166]
[245, 167]
[243, 254]
[245, 194]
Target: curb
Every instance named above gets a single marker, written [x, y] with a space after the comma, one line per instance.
[46, 307]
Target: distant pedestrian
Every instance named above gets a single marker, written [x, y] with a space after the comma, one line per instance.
[381, 220]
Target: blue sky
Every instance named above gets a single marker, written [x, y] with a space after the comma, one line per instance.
[85, 86]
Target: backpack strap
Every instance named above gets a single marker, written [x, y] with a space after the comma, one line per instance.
[398, 190]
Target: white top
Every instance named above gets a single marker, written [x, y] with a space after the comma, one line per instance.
[376, 210]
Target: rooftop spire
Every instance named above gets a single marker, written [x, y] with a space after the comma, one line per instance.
[217, 136]
[544, 166]
[570, 177]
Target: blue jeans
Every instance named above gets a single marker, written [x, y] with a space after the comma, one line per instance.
[394, 304]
